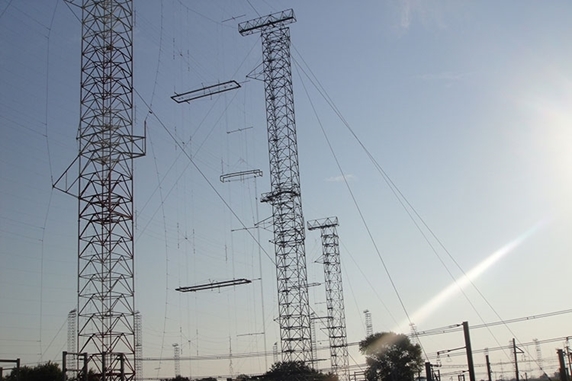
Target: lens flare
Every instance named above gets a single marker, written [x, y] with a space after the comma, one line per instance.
[454, 288]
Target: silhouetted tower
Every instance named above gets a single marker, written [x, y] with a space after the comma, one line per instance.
[107, 147]
[538, 354]
[275, 353]
[230, 366]
[285, 196]
[72, 331]
[177, 357]
[368, 324]
[72, 337]
[313, 319]
[336, 316]
[138, 346]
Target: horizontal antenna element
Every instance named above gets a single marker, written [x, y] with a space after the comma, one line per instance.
[275, 20]
[242, 175]
[322, 223]
[209, 286]
[205, 91]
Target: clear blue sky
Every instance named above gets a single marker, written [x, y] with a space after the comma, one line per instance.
[464, 105]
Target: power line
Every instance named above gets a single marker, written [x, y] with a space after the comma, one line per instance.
[455, 328]
[503, 347]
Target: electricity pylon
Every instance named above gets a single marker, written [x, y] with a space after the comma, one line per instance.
[285, 195]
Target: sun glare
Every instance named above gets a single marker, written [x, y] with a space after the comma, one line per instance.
[459, 284]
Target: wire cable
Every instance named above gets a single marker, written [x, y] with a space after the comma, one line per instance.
[402, 200]
[51, 180]
[362, 217]
[203, 175]
[5, 9]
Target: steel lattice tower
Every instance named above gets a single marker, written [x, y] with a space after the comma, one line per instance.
[177, 357]
[138, 346]
[72, 337]
[107, 147]
[368, 324]
[72, 331]
[336, 317]
[285, 196]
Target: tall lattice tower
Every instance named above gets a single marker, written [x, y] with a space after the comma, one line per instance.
[539, 360]
[72, 331]
[177, 357]
[72, 337]
[138, 346]
[368, 323]
[107, 147]
[313, 319]
[285, 196]
[336, 317]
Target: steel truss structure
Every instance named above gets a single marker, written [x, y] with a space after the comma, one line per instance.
[285, 195]
[138, 346]
[368, 323]
[107, 147]
[72, 335]
[72, 330]
[336, 316]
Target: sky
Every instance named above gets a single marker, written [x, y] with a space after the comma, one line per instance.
[438, 132]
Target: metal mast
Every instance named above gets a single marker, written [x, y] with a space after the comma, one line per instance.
[336, 318]
[72, 337]
[138, 346]
[368, 324]
[107, 147]
[285, 196]
[538, 354]
[177, 357]
[72, 331]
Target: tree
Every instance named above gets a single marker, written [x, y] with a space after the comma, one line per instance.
[390, 357]
[295, 370]
[43, 372]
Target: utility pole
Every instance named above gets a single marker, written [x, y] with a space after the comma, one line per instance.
[489, 372]
[514, 351]
[567, 354]
[562, 362]
[285, 195]
[469, 351]
[428, 371]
